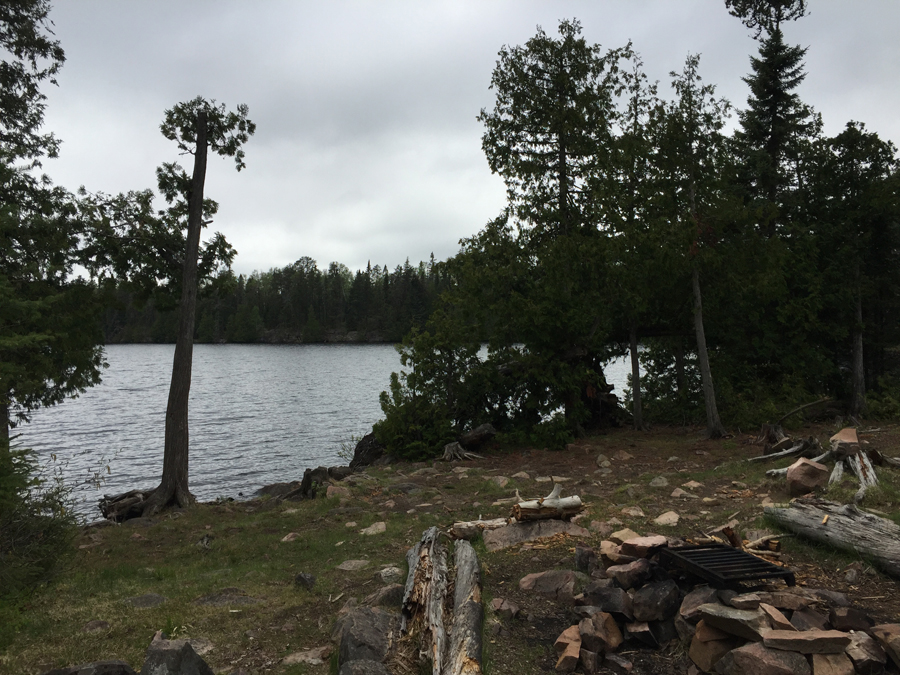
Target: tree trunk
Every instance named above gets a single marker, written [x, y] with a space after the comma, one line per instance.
[173, 489]
[637, 411]
[714, 428]
[858, 384]
[844, 527]
[4, 425]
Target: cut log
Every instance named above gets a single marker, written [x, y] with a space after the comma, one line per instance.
[846, 528]
[423, 601]
[464, 657]
[551, 506]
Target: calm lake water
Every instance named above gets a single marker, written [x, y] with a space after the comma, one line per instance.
[259, 414]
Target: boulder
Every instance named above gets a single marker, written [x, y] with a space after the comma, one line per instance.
[643, 547]
[173, 657]
[556, 584]
[744, 623]
[804, 476]
[656, 601]
[387, 596]
[631, 575]
[367, 451]
[756, 659]
[362, 633]
[807, 641]
[832, 664]
[867, 655]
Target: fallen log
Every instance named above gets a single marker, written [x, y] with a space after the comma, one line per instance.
[125, 506]
[422, 611]
[464, 657]
[470, 529]
[844, 527]
[551, 506]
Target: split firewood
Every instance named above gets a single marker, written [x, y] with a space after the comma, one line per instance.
[772, 542]
[844, 527]
[551, 506]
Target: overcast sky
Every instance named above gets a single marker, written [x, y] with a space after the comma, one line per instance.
[367, 146]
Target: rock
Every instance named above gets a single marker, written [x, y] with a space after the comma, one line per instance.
[173, 657]
[606, 636]
[656, 601]
[290, 536]
[375, 528]
[520, 532]
[521, 476]
[744, 623]
[623, 535]
[612, 600]
[387, 596]
[832, 664]
[776, 618]
[807, 641]
[808, 619]
[643, 547]
[146, 600]
[618, 664]
[756, 659]
[353, 565]
[685, 630]
[609, 554]
[362, 633]
[201, 645]
[692, 485]
[622, 456]
[589, 661]
[586, 560]
[96, 668]
[389, 575]
[477, 436]
[312, 657]
[690, 606]
[804, 476]
[784, 600]
[849, 618]
[337, 491]
[94, 626]
[363, 667]
[830, 598]
[305, 580]
[640, 631]
[367, 452]
[659, 481]
[668, 519]
[633, 512]
[556, 584]
[678, 493]
[707, 654]
[631, 575]
[506, 609]
[888, 636]
[745, 601]
[706, 633]
[866, 654]
[568, 646]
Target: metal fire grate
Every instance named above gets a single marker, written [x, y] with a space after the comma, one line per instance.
[722, 565]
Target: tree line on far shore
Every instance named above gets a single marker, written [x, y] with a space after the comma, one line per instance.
[298, 303]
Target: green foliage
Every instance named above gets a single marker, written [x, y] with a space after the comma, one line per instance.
[883, 403]
[37, 527]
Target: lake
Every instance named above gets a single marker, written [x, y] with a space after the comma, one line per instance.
[259, 414]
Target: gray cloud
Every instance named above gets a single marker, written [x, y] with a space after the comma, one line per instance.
[367, 145]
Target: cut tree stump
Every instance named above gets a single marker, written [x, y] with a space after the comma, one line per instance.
[843, 526]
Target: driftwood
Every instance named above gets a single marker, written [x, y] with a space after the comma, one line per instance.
[125, 506]
[426, 604]
[551, 506]
[844, 527]
[464, 657]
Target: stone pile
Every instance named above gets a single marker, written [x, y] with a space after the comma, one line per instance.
[629, 597]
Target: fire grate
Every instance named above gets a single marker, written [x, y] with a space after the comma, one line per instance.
[722, 565]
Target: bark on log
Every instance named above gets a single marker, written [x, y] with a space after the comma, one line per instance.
[472, 528]
[847, 528]
[551, 506]
[426, 591]
[465, 630]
